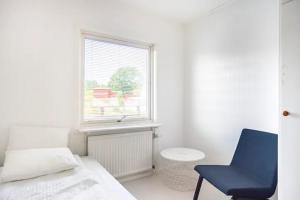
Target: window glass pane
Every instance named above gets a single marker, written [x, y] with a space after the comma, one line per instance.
[116, 79]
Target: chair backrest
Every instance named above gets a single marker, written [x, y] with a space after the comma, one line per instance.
[256, 156]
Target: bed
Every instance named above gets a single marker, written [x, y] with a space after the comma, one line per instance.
[87, 181]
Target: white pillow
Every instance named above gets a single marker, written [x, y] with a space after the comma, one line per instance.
[30, 163]
[30, 137]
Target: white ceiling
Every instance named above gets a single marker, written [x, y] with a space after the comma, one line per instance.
[180, 10]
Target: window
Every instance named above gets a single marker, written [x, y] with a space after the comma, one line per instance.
[117, 80]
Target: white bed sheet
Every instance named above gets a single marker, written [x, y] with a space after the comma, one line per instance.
[111, 183]
[90, 181]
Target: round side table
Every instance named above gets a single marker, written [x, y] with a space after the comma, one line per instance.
[178, 167]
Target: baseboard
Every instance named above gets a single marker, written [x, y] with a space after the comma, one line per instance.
[135, 176]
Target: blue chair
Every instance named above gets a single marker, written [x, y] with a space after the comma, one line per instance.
[253, 169]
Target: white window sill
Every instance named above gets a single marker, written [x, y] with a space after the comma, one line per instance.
[98, 130]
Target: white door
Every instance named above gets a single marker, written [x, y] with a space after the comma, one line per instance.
[289, 145]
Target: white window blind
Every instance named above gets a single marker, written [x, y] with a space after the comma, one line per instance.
[116, 80]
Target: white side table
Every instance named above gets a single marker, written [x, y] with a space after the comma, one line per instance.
[178, 167]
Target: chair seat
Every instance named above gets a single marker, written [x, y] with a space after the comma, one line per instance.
[233, 182]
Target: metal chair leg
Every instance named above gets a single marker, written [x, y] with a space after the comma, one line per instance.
[196, 195]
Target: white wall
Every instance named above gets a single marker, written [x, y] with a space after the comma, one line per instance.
[231, 78]
[39, 61]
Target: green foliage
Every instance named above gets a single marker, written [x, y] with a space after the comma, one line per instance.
[91, 84]
[124, 80]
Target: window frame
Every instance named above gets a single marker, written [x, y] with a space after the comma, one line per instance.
[150, 76]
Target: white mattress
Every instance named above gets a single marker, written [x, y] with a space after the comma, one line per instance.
[90, 181]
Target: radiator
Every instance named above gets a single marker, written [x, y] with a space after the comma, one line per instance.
[123, 154]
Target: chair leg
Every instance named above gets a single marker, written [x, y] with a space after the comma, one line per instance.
[196, 195]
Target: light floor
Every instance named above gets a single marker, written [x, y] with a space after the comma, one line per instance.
[152, 188]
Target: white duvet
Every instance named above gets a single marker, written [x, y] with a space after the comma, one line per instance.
[77, 184]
